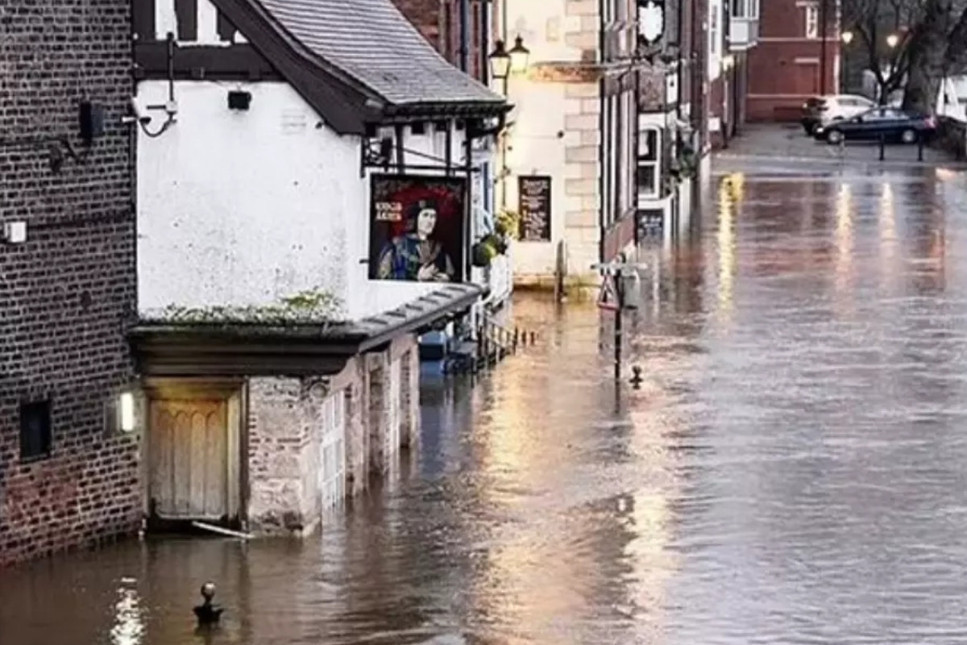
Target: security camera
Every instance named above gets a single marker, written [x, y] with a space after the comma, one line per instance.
[138, 111]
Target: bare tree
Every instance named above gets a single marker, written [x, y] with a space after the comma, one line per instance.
[910, 44]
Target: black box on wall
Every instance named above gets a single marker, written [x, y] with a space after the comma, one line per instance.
[91, 120]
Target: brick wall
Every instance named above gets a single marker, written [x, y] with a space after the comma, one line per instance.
[65, 293]
[285, 425]
[784, 67]
[439, 22]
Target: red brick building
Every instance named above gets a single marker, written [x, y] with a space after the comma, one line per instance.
[797, 57]
[441, 21]
[67, 257]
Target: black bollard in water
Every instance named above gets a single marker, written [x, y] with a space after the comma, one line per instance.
[208, 613]
[919, 148]
[882, 147]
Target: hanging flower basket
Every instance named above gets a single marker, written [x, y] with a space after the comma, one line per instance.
[482, 254]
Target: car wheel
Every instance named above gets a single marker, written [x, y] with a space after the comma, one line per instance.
[908, 136]
[834, 136]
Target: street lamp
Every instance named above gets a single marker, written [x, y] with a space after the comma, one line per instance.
[892, 40]
[519, 56]
[499, 61]
[847, 37]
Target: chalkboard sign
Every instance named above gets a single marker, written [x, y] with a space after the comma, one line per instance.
[650, 223]
[534, 206]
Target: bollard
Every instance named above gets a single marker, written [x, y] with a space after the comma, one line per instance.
[882, 147]
[532, 338]
[516, 337]
[919, 148]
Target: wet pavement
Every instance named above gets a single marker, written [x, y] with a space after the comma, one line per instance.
[789, 142]
[792, 470]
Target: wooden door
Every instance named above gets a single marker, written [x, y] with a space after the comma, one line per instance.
[188, 459]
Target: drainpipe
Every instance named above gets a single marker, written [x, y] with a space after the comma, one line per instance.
[485, 42]
[464, 35]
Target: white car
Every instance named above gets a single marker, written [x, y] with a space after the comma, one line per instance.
[844, 106]
[823, 110]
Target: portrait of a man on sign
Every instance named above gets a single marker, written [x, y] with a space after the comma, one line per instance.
[416, 228]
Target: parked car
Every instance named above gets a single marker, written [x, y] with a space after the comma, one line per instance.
[892, 124]
[822, 110]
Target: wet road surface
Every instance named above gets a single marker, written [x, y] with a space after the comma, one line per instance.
[792, 470]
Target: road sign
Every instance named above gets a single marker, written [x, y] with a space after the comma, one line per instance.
[608, 294]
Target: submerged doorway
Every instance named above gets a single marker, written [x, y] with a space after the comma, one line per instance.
[193, 458]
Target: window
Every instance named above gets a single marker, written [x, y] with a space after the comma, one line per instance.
[748, 9]
[649, 156]
[35, 431]
[812, 21]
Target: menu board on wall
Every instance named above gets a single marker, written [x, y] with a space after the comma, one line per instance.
[534, 206]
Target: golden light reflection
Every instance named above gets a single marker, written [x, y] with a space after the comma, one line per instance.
[730, 186]
[888, 235]
[844, 245]
[128, 626]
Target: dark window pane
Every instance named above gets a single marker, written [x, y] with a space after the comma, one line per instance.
[647, 179]
[648, 144]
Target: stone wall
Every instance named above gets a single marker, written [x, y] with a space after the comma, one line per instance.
[65, 293]
[286, 421]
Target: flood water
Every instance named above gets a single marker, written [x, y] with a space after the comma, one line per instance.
[792, 470]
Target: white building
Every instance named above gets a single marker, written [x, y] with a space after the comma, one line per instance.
[571, 139]
[295, 154]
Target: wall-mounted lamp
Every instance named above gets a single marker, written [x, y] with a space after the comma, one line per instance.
[239, 100]
[499, 61]
[519, 56]
[127, 420]
[892, 41]
[14, 232]
[847, 37]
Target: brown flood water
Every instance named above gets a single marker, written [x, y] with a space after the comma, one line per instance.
[792, 470]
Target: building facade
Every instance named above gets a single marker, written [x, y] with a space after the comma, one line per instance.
[305, 214]
[798, 56]
[67, 278]
[569, 159]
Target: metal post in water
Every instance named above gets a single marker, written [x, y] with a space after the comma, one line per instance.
[919, 148]
[620, 293]
[882, 147]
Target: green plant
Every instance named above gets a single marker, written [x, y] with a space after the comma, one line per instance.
[507, 224]
[314, 306]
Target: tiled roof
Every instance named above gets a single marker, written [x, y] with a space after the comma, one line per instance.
[375, 44]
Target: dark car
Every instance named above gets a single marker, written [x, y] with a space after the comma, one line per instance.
[891, 124]
[811, 111]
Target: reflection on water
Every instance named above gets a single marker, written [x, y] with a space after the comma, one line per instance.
[792, 469]
[128, 624]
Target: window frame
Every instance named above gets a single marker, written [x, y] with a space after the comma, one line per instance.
[652, 160]
[811, 21]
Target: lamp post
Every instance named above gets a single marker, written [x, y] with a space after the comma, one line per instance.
[503, 63]
[892, 41]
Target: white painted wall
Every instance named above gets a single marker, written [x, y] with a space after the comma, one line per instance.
[245, 208]
[206, 19]
[543, 26]
[536, 149]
